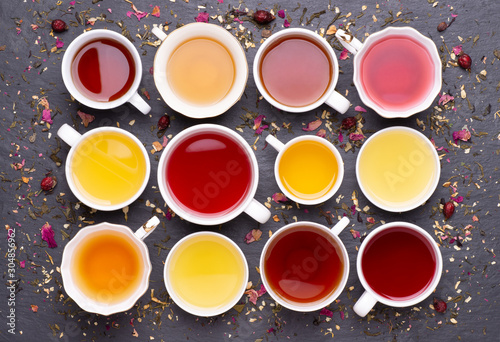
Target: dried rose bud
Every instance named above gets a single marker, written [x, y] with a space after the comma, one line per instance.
[59, 26]
[163, 122]
[348, 122]
[465, 61]
[48, 183]
[448, 209]
[263, 17]
[439, 305]
[443, 26]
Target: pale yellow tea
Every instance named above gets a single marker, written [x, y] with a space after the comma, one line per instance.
[207, 272]
[108, 168]
[308, 170]
[201, 71]
[107, 266]
[397, 168]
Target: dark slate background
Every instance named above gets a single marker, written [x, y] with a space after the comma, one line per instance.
[469, 271]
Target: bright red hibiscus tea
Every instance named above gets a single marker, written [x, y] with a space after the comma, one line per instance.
[397, 73]
[103, 70]
[304, 265]
[209, 173]
[398, 264]
[296, 71]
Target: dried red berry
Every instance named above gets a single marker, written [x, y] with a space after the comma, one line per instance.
[443, 26]
[465, 61]
[263, 17]
[448, 209]
[164, 122]
[348, 122]
[439, 305]
[59, 26]
[48, 183]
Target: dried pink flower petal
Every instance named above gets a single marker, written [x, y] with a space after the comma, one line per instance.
[321, 133]
[286, 23]
[86, 118]
[202, 17]
[253, 235]
[457, 49]
[356, 136]
[257, 124]
[156, 11]
[341, 137]
[46, 116]
[326, 312]
[281, 14]
[59, 43]
[344, 55]
[311, 126]
[48, 235]
[355, 233]
[254, 295]
[359, 109]
[463, 135]
[445, 98]
[279, 197]
[22, 264]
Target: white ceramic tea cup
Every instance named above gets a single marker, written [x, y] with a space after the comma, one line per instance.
[99, 303]
[414, 157]
[130, 96]
[308, 264]
[192, 308]
[331, 97]
[369, 298]
[282, 148]
[180, 36]
[359, 50]
[71, 137]
[249, 205]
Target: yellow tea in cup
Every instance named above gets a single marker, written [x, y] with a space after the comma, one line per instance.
[206, 273]
[107, 266]
[308, 169]
[108, 168]
[398, 168]
[201, 71]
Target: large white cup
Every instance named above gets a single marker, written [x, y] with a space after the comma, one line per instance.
[360, 50]
[331, 97]
[369, 298]
[98, 303]
[71, 137]
[248, 204]
[130, 96]
[180, 36]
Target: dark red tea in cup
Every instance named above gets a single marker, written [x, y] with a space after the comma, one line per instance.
[209, 174]
[296, 71]
[399, 264]
[103, 70]
[304, 265]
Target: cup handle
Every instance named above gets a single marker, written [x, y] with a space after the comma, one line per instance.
[138, 102]
[147, 228]
[159, 33]
[258, 211]
[339, 227]
[68, 134]
[348, 41]
[338, 102]
[364, 304]
[275, 143]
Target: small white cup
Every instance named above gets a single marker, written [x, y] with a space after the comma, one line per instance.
[178, 37]
[71, 137]
[281, 148]
[369, 298]
[359, 50]
[192, 308]
[94, 304]
[331, 97]
[249, 205]
[130, 96]
[429, 153]
[339, 247]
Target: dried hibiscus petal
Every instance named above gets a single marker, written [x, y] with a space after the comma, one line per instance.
[48, 235]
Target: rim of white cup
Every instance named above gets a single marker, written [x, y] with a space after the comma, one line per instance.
[296, 32]
[69, 284]
[425, 42]
[85, 200]
[200, 30]
[75, 46]
[340, 174]
[416, 203]
[437, 274]
[204, 312]
[213, 219]
[318, 304]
